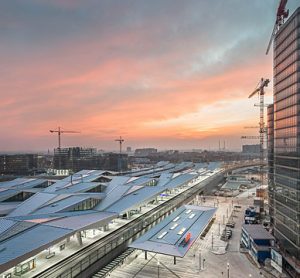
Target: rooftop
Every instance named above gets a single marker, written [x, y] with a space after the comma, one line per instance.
[170, 236]
[257, 231]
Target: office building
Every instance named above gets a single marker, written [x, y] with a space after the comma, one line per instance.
[286, 214]
[75, 158]
[18, 164]
[115, 162]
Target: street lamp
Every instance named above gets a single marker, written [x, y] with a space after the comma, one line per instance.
[227, 270]
[158, 269]
[200, 260]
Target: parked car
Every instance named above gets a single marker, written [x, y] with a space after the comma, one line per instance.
[230, 224]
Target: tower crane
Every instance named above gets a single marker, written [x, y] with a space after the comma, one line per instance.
[59, 131]
[281, 15]
[120, 140]
[260, 90]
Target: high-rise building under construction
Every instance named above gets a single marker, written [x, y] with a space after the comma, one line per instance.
[285, 192]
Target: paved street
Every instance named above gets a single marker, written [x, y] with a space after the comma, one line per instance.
[214, 265]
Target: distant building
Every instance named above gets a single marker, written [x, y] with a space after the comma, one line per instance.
[145, 152]
[76, 159]
[115, 162]
[128, 149]
[251, 149]
[18, 164]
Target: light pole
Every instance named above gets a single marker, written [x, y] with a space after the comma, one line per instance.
[158, 269]
[227, 270]
[200, 268]
[212, 240]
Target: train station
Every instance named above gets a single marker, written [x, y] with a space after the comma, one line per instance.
[74, 225]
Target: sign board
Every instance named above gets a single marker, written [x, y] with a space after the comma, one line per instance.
[188, 237]
[276, 260]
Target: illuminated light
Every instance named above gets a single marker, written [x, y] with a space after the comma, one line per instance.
[192, 215]
[174, 226]
[188, 211]
[175, 219]
[162, 235]
[181, 231]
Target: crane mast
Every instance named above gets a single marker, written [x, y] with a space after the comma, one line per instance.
[120, 140]
[59, 132]
[262, 129]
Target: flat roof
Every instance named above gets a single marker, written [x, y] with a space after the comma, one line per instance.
[168, 236]
[257, 231]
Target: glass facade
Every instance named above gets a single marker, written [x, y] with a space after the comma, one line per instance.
[271, 160]
[284, 173]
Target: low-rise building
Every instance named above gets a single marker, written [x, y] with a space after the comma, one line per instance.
[258, 241]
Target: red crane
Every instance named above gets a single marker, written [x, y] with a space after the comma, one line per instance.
[59, 131]
[281, 15]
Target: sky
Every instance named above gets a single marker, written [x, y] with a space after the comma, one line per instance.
[169, 74]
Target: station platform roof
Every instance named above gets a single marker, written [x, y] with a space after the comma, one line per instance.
[22, 238]
[176, 234]
[51, 211]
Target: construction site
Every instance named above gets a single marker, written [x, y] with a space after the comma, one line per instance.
[208, 212]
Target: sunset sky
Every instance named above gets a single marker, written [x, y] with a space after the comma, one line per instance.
[170, 74]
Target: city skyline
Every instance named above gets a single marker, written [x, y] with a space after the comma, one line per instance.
[167, 74]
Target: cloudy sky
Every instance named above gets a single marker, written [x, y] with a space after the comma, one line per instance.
[161, 73]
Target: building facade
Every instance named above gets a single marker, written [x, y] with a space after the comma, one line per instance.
[251, 149]
[286, 194]
[270, 146]
[18, 164]
[258, 241]
[77, 158]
